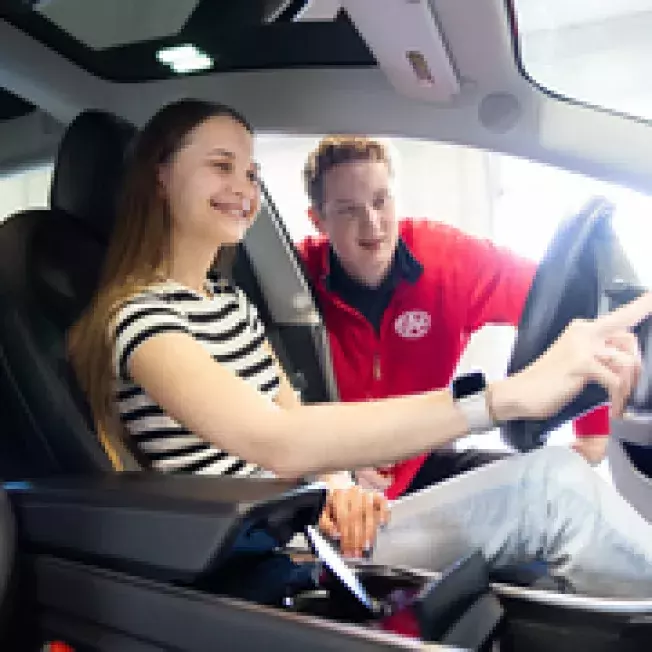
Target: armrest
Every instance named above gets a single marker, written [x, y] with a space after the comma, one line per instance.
[172, 528]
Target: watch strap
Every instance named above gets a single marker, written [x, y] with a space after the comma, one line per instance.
[471, 397]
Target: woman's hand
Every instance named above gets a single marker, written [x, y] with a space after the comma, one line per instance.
[353, 516]
[373, 479]
[602, 351]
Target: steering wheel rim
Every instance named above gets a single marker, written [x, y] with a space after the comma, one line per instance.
[568, 284]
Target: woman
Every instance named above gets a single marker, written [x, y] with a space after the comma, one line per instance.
[185, 364]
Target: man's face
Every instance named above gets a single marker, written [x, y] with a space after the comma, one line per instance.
[359, 217]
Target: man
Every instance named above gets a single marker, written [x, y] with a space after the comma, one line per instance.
[401, 298]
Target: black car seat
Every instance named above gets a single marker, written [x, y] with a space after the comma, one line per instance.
[49, 265]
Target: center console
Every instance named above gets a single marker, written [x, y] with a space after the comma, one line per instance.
[145, 563]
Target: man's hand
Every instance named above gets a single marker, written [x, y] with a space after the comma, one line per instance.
[373, 480]
[352, 516]
[594, 449]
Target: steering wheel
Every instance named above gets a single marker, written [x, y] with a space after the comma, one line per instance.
[569, 284]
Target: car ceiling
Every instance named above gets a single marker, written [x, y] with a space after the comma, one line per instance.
[12, 106]
[118, 41]
[297, 80]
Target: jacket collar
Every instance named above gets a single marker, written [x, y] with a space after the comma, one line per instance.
[405, 265]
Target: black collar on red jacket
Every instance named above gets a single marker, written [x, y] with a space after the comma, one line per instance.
[371, 302]
[404, 267]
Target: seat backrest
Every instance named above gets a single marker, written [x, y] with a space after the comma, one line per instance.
[50, 261]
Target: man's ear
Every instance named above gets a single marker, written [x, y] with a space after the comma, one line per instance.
[316, 219]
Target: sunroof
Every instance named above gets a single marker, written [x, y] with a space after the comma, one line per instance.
[106, 24]
[137, 40]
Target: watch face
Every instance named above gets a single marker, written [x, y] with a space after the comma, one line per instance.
[468, 385]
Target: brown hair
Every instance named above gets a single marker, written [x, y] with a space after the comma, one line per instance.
[139, 249]
[333, 151]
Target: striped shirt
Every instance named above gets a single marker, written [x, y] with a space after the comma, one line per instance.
[229, 328]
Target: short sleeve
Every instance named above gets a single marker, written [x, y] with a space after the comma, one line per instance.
[137, 321]
[253, 316]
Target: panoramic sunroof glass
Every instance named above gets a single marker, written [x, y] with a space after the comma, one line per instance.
[594, 51]
[139, 40]
[106, 24]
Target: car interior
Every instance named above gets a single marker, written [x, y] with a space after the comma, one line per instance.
[97, 552]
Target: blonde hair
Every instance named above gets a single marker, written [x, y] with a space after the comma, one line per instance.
[335, 150]
[138, 253]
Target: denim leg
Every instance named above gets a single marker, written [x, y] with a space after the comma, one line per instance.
[548, 505]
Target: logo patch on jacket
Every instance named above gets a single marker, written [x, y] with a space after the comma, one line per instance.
[412, 324]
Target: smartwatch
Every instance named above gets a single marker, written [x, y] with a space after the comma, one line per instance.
[470, 396]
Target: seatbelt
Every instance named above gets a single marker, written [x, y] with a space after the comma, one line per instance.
[284, 284]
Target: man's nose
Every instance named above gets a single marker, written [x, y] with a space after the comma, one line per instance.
[372, 218]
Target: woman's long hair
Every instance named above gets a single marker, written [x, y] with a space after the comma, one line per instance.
[139, 250]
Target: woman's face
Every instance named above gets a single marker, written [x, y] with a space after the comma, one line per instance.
[211, 183]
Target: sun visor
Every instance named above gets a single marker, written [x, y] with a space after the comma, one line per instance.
[407, 44]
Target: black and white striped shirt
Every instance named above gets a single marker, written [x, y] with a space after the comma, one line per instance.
[229, 327]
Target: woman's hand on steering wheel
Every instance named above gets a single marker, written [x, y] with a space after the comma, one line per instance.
[602, 351]
[352, 516]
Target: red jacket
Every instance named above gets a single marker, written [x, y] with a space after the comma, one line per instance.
[466, 283]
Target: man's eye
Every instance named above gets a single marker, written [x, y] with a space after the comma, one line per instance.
[252, 175]
[380, 202]
[222, 166]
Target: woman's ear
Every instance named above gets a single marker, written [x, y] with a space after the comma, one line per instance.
[316, 219]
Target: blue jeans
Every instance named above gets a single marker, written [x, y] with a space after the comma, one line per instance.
[548, 505]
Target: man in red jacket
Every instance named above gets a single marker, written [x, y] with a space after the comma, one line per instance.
[401, 298]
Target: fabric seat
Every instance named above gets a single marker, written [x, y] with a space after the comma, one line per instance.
[50, 260]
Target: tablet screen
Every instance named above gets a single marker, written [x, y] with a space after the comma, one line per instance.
[337, 566]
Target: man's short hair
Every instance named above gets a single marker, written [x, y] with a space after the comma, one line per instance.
[335, 150]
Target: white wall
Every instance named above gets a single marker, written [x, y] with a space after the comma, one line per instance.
[24, 189]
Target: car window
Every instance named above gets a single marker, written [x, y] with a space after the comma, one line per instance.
[593, 51]
[514, 202]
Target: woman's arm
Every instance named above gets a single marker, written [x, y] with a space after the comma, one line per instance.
[211, 401]
[352, 514]
[288, 399]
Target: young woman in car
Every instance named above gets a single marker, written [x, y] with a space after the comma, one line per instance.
[185, 364]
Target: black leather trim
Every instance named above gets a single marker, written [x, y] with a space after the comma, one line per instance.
[88, 169]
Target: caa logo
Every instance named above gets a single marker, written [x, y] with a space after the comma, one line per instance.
[412, 324]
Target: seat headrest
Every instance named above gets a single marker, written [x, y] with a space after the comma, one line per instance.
[88, 169]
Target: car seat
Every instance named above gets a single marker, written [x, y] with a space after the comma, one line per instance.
[50, 261]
